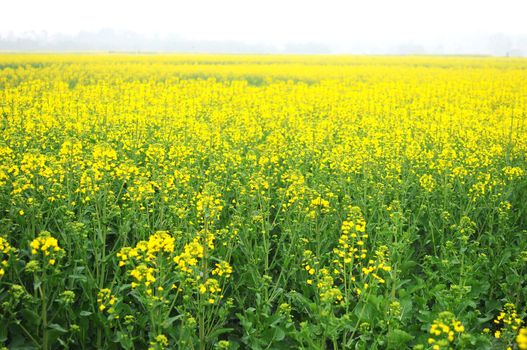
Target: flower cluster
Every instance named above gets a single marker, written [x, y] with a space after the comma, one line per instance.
[351, 255]
[46, 247]
[444, 330]
[160, 342]
[513, 172]
[318, 206]
[6, 252]
[351, 242]
[327, 290]
[521, 339]
[209, 205]
[310, 264]
[147, 251]
[146, 262]
[507, 322]
[379, 264]
[189, 257]
[427, 182]
[210, 288]
[222, 268]
[106, 300]
[143, 275]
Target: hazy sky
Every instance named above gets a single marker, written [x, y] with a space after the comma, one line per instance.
[274, 22]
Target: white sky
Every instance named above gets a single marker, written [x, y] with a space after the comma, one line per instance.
[272, 21]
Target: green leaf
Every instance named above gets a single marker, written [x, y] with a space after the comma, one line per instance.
[279, 334]
[57, 327]
[398, 339]
[217, 332]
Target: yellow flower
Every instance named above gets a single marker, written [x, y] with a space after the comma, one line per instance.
[521, 339]
[222, 268]
[106, 300]
[443, 329]
[47, 246]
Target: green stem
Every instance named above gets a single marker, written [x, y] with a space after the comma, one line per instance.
[44, 314]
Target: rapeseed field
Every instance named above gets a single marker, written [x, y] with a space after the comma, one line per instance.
[262, 202]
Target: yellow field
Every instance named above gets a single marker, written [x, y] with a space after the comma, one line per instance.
[262, 202]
